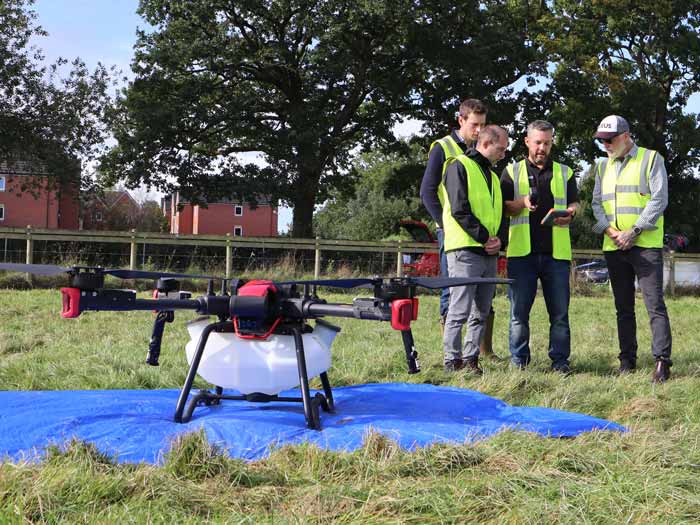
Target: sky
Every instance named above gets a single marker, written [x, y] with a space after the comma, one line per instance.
[105, 31]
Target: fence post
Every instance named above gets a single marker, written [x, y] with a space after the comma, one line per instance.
[399, 261]
[671, 273]
[30, 245]
[132, 255]
[317, 259]
[30, 253]
[229, 256]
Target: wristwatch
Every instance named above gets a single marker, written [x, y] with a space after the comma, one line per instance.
[637, 231]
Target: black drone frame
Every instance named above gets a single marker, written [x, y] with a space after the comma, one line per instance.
[283, 309]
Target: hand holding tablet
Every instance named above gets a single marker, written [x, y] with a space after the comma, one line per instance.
[553, 214]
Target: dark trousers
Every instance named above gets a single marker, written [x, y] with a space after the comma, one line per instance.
[554, 275]
[647, 265]
[445, 294]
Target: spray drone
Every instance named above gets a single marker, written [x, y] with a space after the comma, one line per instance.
[261, 342]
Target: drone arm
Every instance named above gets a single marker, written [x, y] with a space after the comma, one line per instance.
[369, 309]
[76, 301]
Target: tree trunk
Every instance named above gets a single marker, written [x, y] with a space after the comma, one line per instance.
[304, 203]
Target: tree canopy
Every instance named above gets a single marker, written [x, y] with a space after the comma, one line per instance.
[46, 116]
[305, 82]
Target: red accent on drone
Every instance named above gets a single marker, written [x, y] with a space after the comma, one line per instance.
[71, 303]
[403, 311]
[256, 288]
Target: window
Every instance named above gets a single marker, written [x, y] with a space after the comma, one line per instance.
[98, 216]
[238, 231]
[238, 210]
[2, 212]
[2, 183]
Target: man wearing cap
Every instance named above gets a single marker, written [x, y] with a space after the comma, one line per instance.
[531, 188]
[471, 119]
[629, 199]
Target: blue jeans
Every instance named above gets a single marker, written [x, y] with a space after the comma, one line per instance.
[554, 275]
[445, 295]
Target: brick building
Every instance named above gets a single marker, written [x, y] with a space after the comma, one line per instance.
[220, 218]
[109, 210]
[27, 198]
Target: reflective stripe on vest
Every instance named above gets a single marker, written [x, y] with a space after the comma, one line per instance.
[449, 147]
[624, 197]
[519, 231]
[486, 205]
[451, 150]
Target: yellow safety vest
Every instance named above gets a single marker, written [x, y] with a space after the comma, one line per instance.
[448, 145]
[624, 196]
[486, 205]
[452, 150]
[519, 230]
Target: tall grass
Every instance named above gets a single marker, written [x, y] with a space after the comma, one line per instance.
[648, 475]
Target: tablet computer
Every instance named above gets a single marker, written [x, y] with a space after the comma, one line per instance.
[553, 214]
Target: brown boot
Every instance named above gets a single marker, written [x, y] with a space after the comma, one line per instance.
[662, 372]
[471, 365]
[486, 345]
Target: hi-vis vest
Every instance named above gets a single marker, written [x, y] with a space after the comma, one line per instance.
[519, 231]
[452, 150]
[449, 147]
[486, 205]
[624, 196]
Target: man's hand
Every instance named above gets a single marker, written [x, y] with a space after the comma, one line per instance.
[492, 245]
[527, 204]
[563, 221]
[626, 239]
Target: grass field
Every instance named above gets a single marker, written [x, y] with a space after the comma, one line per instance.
[648, 475]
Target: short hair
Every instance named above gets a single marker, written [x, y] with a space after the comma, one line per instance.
[491, 133]
[472, 105]
[539, 125]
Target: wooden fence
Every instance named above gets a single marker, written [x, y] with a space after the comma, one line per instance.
[229, 242]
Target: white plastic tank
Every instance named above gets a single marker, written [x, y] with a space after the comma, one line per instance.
[266, 366]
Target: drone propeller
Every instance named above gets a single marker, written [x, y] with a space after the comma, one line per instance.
[50, 269]
[337, 283]
[425, 282]
[448, 282]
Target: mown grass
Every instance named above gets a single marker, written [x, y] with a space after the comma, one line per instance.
[648, 475]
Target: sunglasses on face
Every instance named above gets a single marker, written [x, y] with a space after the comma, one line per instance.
[606, 141]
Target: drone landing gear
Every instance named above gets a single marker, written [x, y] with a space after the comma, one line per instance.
[207, 398]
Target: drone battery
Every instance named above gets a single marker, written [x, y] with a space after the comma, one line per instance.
[259, 366]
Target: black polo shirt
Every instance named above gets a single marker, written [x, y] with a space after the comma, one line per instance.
[540, 236]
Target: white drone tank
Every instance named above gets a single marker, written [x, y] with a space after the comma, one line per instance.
[266, 366]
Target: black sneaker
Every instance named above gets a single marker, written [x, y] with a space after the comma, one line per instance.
[626, 367]
[564, 369]
[454, 365]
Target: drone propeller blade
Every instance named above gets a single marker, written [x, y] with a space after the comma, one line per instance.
[336, 283]
[37, 269]
[142, 274]
[448, 282]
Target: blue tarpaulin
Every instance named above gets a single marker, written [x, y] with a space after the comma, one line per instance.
[137, 425]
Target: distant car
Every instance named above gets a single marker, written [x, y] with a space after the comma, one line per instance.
[593, 272]
[676, 242]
